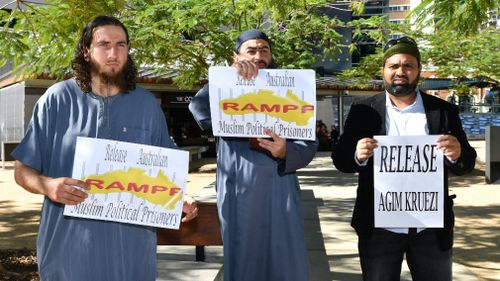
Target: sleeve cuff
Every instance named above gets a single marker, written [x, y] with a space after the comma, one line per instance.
[451, 161]
[361, 164]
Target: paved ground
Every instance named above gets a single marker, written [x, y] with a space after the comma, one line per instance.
[328, 198]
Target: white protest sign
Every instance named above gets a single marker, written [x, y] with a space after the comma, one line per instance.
[283, 100]
[130, 183]
[408, 179]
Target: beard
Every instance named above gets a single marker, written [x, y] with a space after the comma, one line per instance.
[262, 64]
[400, 90]
[117, 78]
[272, 64]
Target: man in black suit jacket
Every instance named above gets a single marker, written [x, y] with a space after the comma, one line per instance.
[401, 110]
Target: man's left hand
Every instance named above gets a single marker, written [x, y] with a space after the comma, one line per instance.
[276, 146]
[190, 208]
[450, 145]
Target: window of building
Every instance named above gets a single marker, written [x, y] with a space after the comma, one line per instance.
[398, 8]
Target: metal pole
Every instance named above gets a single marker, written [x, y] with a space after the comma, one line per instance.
[340, 104]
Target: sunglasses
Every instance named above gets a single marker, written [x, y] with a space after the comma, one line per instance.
[404, 39]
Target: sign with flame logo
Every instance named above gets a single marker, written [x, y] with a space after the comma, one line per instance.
[283, 100]
[130, 183]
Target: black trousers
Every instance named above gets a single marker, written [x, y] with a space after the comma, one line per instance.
[382, 253]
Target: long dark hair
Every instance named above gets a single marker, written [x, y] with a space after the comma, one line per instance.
[81, 67]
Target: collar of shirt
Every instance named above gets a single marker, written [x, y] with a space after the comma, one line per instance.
[408, 121]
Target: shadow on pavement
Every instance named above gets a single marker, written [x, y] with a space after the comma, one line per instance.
[334, 227]
[477, 176]
[326, 178]
[477, 239]
[18, 229]
[318, 260]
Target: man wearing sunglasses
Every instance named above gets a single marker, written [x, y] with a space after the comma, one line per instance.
[401, 110]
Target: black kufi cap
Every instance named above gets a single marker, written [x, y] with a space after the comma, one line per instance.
[249, 35]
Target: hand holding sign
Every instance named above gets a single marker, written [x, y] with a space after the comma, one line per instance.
[364, 149]
[247, 69]
[450, 145]
[65, 190]
[61, 190]
[190, 208]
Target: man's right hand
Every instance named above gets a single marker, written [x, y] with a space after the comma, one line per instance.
[364, 149]
[61, 190]
[64, 190]
[246, 69]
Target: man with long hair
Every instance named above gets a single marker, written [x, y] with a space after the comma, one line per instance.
[87, 68]
[101, 101]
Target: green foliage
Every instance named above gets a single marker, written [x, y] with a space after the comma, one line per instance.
[459, 55]
[461, 45]
[368, 69]
[376, 28]
[447, 53]
[188, 36]
[462, 16]
[462, 89]
[183, 37]
[357, 7]
[44, 37]
[306, 33]
[370, 66]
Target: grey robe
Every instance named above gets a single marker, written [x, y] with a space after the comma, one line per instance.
[258, 200]
[72, 249]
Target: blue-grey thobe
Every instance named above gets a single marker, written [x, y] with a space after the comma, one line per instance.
[68, 248]
[258, 200]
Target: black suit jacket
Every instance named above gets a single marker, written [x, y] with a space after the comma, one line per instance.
[367, 118]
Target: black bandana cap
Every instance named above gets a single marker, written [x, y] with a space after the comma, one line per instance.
[249, 35]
